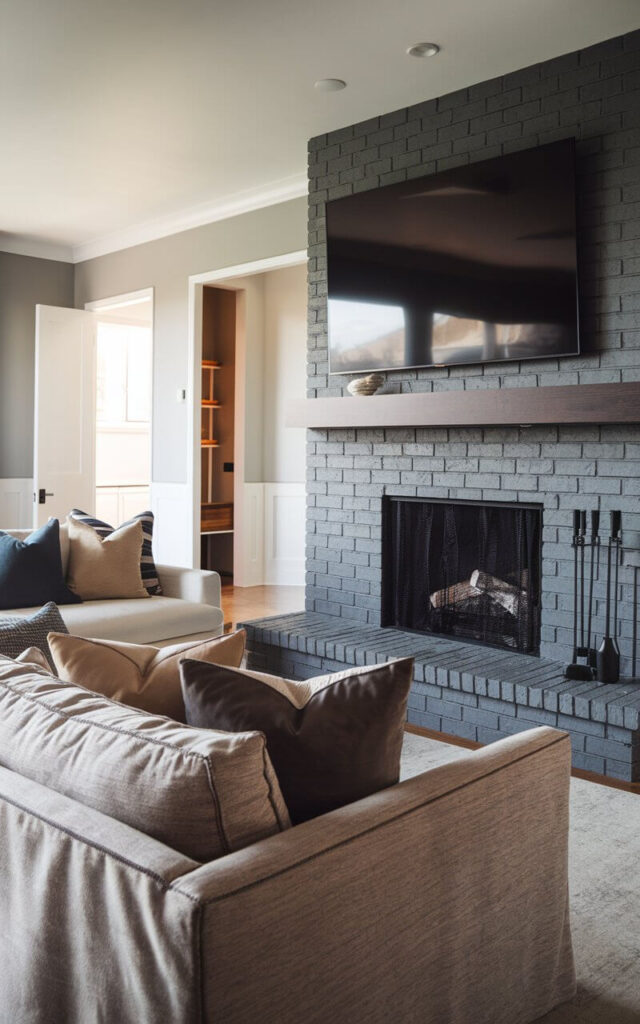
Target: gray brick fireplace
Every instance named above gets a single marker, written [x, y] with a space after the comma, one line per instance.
[593, 96]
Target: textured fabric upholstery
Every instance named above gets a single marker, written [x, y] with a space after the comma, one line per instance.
[442, 900]
[91, 930]
[201, 792]
[18, 632]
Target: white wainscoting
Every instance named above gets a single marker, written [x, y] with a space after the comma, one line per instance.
[248, 541]
[171, 505]
[16, 503]
[269, 523]
[284, 534]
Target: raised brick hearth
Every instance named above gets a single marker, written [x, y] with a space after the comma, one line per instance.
[463, 689]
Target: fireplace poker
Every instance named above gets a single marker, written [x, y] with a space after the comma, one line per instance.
[575, 670]
[595, 546]
[608, 660]
[634, 640]
[582, 535]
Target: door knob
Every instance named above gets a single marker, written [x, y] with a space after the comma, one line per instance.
[43, 495]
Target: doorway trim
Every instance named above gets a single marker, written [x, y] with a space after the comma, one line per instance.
[121, 301]
[196, 284]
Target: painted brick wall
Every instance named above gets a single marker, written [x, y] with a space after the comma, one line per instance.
[594, 96]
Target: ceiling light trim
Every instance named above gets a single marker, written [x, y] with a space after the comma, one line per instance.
[232, 206]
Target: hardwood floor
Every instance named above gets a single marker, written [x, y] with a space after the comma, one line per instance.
[240, 604]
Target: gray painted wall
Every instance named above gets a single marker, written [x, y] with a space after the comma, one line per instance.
[166, 265]
[24, 281]
[592, 96]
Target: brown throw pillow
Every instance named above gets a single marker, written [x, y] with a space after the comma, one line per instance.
[141, 676]
[109, 567]
[331, 740]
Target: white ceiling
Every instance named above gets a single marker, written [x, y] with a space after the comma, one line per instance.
[129, 119]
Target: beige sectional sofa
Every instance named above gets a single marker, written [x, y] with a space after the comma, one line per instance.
[189, 608]
[441, 900]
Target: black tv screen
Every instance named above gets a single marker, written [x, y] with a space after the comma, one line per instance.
[471, 265]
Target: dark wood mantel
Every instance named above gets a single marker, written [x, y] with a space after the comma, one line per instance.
[580, 403]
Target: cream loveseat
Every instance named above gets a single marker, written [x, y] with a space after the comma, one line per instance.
[189, 608]
[442, 900]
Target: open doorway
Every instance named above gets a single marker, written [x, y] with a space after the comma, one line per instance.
[124, 368]
[248, 468]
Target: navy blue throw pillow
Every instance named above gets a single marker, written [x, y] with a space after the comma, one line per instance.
[31, 569]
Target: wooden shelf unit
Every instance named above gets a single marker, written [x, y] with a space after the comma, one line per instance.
[217, 428]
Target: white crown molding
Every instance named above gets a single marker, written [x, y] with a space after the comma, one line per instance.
[240, 202]
[195, 217]
[22, 245]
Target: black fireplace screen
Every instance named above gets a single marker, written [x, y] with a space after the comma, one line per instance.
[463, 569]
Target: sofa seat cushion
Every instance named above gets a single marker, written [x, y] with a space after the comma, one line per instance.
[137, 622]
[203, 793]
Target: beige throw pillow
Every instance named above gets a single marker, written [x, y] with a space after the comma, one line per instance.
[141, 676]
[109, 567]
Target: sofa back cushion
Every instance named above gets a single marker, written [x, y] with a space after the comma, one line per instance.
[203, 793]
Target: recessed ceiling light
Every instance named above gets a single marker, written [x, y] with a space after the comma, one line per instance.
[423, 50]
[329, 85]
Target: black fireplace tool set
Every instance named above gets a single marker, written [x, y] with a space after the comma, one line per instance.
[602, 663]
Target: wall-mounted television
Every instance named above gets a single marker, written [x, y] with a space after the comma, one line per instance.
[475, 264]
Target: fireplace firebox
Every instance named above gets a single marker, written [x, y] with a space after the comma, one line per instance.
[463, 569]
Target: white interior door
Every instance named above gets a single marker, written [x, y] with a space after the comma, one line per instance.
[65, 415]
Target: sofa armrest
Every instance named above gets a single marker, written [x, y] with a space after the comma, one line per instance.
[443, 898]
[92, 926]
[198, 585]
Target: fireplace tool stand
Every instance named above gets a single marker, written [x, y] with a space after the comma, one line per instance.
[589, 662]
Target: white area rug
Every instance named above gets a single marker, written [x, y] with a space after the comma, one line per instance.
[604, 883]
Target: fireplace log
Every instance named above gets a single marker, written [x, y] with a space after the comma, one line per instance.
[456, 594]
[503, 593]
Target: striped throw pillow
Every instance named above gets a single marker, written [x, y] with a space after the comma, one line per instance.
[147, 565]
